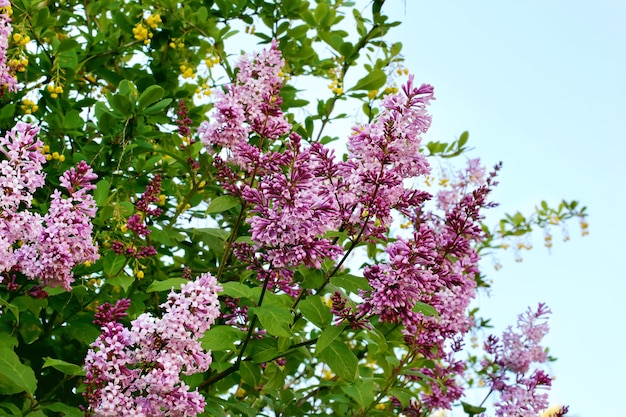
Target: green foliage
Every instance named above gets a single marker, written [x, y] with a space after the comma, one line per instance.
[108, 95]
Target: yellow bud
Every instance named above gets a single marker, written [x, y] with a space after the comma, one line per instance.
[35, 107]
[55, 155]
[140, 274]
[54, 95]
[50, 88]
[124, 228]
[240, 393]
[17, 37]
[372, 94]
[61, 158]
[46, 149]
[58, 89]
[48, 157]
[87, 264]
[172, 45]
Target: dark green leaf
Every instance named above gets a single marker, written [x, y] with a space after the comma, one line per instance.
[15, 377]
[68, 411]
[149, 96]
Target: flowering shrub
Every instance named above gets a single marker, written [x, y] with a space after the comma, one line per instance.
[326, 284]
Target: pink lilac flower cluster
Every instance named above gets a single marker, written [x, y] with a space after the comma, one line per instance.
[510, 372]
[50, 246]
[7, 80]
[66, 239]
[249, 106]
[137, 370]
[381, 156]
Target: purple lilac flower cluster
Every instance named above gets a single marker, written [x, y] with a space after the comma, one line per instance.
[7, 80]
[510, 371]
[49, 246]
[139, 368]
[290, 202]
[137, 223]
[296, 194]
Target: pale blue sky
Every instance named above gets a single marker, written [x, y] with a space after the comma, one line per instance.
[540, 85]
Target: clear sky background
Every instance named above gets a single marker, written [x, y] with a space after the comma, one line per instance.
[540, 85]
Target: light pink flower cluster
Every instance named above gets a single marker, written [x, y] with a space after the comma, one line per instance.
[249, 106]
[66, 238]
[510, 372]
[474, 175]
[137, 371]
[7, 80]
[44, 248]
[381, 156]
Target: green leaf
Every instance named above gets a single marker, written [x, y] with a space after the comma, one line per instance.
[236, 290]
[67, 45]
[327, 337]
[157, 107]
[314, 310]
[463, 139]
[167, 284]
[121, 104]
[101, 193]
[124, 281]
[472, 410]
[341, 360]
[65, 367]
[149, 96]
[222, 203]
[362, 392]
[275, 319]
[15, 377]
[264, 350]
[113, 263]
[13, 309]
[372, 81]
[425, 309]
[221, 338]
[250, 373]
[351, 283]
[275, 377]
[221, 234]
[68, 411]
